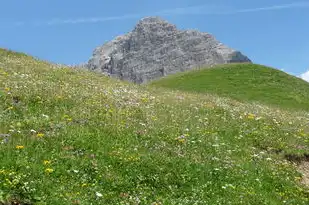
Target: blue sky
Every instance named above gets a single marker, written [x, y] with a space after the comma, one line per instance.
[270, 32]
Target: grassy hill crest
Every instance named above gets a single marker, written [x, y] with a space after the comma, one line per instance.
[244, 82]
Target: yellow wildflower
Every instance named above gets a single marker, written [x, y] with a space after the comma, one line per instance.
[20, 147]
[181, 139]
[4, 73]
[302, 134]
[7, 89]
[145, 100]
[67, 117]
[49, 170]
[251, 116]
[46, 162]
[10, 108]
[40, 135]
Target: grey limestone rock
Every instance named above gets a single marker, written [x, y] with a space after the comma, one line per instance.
[156, 48]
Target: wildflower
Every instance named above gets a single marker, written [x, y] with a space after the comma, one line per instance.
[49, 170]
[251, 116]
[144, 100]
[255, 155]
[10, 108]
[20, 147]
[67, 118]
[40, 135]
[46, 162]
[98, 194]
[7, 89]
[302, 134]
[228, 185]
[46, 116]
[181, 139]
[4, 73]
[5, 140]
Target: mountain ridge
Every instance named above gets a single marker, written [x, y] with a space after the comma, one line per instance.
[156, 48]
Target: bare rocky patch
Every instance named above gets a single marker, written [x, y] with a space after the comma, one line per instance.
[304, 169]
[302, 166]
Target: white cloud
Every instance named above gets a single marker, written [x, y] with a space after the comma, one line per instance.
[90, 20]
[271, 8]
[305, 76]
[216, 10]
[208, 9]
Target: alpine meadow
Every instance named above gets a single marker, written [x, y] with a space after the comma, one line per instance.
[70, 136]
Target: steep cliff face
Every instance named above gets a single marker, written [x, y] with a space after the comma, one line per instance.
[156, 48]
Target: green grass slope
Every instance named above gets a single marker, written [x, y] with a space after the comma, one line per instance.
[75, 137]
[244, 82]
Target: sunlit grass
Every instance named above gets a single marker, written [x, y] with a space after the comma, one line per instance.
[244, 82]
[75, 137]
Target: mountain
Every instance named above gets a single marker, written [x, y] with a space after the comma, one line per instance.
[156, 48]
[243, 82]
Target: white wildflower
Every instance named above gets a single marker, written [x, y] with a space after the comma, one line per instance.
[98, 194]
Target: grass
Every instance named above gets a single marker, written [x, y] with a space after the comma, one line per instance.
[244, 82]
[75, 137]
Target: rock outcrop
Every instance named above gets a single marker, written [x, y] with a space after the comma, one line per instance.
[156, 48]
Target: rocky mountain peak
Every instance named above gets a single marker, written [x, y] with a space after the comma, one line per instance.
[154, 25]
[156, 48]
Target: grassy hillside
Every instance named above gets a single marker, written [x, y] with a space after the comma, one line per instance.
[75, 137]
[244, 82]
